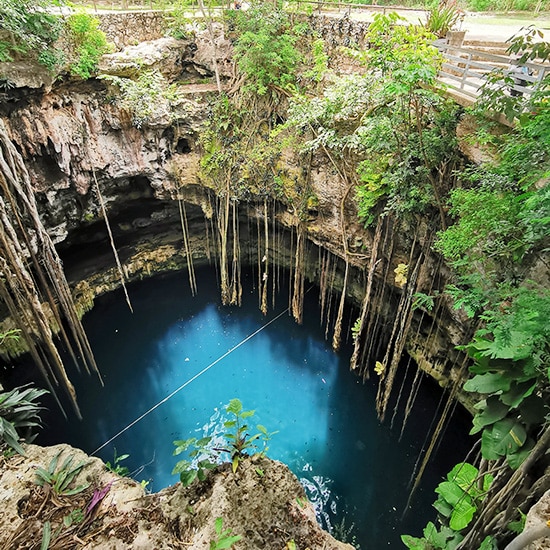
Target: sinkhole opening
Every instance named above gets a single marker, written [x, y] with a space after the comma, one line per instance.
[355, 470]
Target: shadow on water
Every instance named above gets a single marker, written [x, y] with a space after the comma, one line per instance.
[354, 469]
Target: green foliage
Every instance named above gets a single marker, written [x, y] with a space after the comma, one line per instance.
[526, 46]
[388, 123]
[374, 185]
[27, 26]
[116, 467]
[519, 525]
[144, 96]
[46, 536]
[74, 517]
[442, 19]
[461, 494]
[19, 412]
[12, 334]
[496, 229]
[202, 458]
[178, 19]
[511, 375]
[423, 301]
[458, 499]
[88, 44]
[356, 329]
[319, 61]
[265, 49]
[205, 453]
[224, 538]
[402, 50]
[61, 479]
[486, 229]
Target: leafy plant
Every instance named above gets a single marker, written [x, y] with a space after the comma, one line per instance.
[116, 467]
[224, 538]
[423, 301]
[27, 27]
[461, 494]
[144, 96]
[241, 443]
[88, 42]
[265, 49]
[74, 517]
[513, 388]
[19, 412]
[459, 497]
[203, 458]
[205, 453]
[60, 479]
[526, 45]
[442, 19]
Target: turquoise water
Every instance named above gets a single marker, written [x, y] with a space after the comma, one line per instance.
[328, 434]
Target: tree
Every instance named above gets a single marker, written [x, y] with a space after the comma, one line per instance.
[28, 26]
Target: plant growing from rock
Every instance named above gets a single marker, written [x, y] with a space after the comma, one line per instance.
[116, 467]
[205, 453]
[224, 538]
[60, 479]
[88, 44]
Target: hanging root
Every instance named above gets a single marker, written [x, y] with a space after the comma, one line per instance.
[33, 302]
[113, 247]
[298, 287]
[357, 357]
[187, 247]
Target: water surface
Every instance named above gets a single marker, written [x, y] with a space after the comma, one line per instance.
[353, 468]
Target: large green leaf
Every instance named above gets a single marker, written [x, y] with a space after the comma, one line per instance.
[451, 492]
[413, 543]
[435, 538]
[443, 507]
[491, 411]
[515, 459]
[488, 383]
[504, 437]
[235, 406]
[462, 514]
[518, 392]
[464, 475]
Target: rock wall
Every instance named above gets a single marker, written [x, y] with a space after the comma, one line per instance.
[131, 28]
[78, 140]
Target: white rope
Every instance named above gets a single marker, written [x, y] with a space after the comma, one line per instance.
[189, 382]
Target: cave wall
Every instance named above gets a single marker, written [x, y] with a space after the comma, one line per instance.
[74, 135]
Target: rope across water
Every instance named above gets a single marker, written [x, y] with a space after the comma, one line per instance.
[169, 396]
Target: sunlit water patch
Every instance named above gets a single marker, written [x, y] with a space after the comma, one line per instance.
[355, 470]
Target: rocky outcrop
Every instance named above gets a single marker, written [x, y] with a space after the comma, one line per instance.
[81, 133]
[262, 502]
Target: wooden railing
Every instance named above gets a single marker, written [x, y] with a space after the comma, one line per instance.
[466, 70]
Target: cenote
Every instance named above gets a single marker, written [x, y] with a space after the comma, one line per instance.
[355, 469]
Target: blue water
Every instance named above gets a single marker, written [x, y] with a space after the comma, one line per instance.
[327, 430]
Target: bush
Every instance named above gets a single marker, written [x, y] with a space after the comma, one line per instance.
[89, 44]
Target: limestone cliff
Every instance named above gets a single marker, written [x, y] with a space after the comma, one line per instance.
[262, 502]
[78, 133]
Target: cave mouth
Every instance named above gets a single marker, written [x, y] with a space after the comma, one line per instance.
[355, 470]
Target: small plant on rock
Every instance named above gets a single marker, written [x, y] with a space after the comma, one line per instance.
[224, 538]
[116, 467]
[60, 480]
[204, 454]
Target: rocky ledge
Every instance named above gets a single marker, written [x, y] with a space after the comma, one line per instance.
[262, 502]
